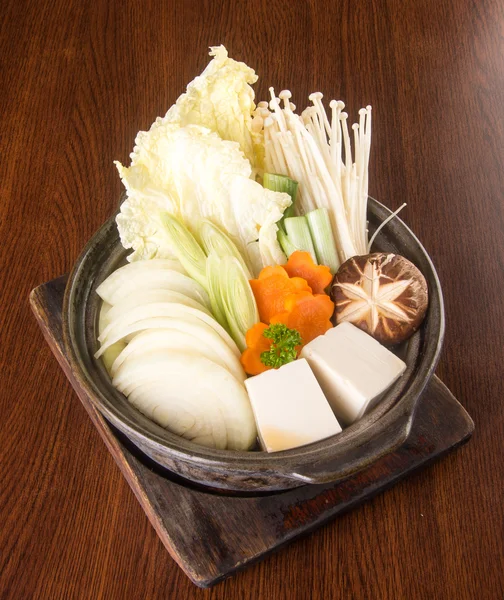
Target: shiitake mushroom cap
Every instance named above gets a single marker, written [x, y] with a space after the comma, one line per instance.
[383, 294]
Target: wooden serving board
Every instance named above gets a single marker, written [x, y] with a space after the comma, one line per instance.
[203, 530]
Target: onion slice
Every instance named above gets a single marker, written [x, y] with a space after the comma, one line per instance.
[141, 298]
[159, 379]
[163, 309]
[190, 325]
[173, 339]
[148, 275]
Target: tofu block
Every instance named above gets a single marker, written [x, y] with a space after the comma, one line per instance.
[352, 368]
[289, 407]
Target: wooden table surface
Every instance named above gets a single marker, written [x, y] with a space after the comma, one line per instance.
[77, 81]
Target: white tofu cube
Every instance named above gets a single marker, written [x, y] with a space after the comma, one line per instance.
[289, 407]
[352, 368]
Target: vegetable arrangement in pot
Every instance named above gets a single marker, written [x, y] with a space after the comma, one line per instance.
[249, 306]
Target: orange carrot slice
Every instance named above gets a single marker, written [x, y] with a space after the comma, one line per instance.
[274, 270]
[300, 264]
[309, 314]
[255, 337]
[300, 284]
[256, 345]
[271, 291]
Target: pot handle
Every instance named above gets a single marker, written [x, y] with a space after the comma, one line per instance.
[352, 458]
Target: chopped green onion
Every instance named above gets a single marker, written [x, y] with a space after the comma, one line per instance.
[282, 183]
[213, 267]
[323, 239]
[299, 235]
[287, 246]
[215, 240]
[186, 248]
[237, 300]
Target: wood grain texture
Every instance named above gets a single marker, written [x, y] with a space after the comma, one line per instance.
[78, 80]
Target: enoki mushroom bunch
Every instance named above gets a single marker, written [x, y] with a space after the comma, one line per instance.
[317, 152]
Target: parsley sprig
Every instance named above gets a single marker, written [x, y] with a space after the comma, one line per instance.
[283, 349]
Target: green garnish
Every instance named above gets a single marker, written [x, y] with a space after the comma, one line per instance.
[283, 349]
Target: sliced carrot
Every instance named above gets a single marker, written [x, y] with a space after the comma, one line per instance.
[300, 264]
[254, 336]
[251, 362]
[293, 299]
[270, 292]
[274, 270]
[309, 314]
[287, 298]
[300, 284]
[256, 345]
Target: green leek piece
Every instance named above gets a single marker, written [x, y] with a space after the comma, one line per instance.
[237, 300]
[299, 235]
[323, 238]
[284, 241]
[282, 183]
[215, 240]
[213, 267]
[186, 248]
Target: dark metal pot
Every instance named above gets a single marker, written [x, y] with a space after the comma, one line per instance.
[379, 432]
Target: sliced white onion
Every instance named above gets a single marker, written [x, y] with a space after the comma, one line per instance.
[181, 418]
[190, 325]
[163, 309]
[163, 403]
[173, 339]
[177, 413]
[201, 383]
[121, 276]
[111, 353]
[142, 297]
[123, 282]
[102, 319]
